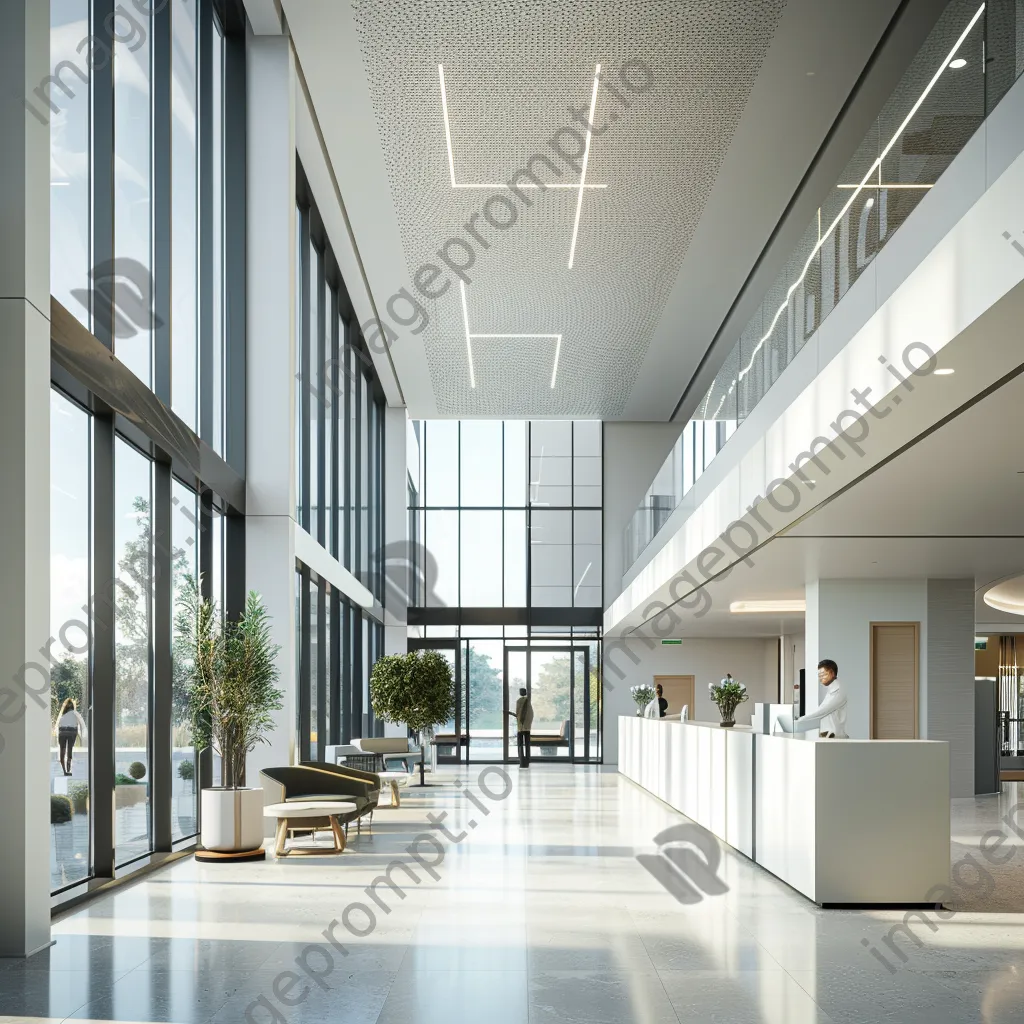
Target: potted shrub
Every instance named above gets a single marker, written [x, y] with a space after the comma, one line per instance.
[78, 794]
[728, 695]
[415, 689]
[230, 675]
[60, 820]
[127, 791]
[60, 809]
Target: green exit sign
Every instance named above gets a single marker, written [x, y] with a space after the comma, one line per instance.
[672, 642]
[980, 643]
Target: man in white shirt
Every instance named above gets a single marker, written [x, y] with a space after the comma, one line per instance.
[831, 712]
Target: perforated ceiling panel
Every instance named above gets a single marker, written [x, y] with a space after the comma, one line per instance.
[511, 72]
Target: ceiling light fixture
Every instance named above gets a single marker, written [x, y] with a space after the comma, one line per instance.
[583, 171]
[488, 184]
[556, 338]
[1006, 597]
[886, 185]
[944, 371]
[469, 342]
[957, 64]
[447, 125]
[767, 607]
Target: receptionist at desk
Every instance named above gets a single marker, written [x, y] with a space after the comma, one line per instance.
[830, 715]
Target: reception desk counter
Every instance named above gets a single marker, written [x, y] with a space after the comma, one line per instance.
[845, 822]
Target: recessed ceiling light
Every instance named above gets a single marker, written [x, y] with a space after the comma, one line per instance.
[944, 371]
[763, 607]
[957, 64]
[556, 338]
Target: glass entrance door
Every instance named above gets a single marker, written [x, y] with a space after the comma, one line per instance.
[450, 738]
[558, 682]
[485, 701]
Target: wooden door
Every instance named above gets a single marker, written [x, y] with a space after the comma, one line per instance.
[894, 680]
[677, 690]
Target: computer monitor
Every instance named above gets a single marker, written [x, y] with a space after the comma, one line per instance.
[784, 720]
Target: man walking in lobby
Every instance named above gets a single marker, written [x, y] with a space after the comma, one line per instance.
[524, 721]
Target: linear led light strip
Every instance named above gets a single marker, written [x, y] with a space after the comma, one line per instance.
[498, 184]
[857, 189]
[557, 338]
[886, 185]
[583, 171]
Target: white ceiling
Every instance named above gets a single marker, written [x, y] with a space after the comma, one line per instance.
[698, 172]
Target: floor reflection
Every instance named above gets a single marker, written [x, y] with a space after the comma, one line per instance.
[541, 913]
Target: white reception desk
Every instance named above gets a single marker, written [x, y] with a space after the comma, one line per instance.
[845, 822]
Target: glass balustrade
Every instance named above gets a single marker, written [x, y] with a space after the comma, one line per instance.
[967, 64]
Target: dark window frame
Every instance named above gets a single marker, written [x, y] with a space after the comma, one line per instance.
[85, 371]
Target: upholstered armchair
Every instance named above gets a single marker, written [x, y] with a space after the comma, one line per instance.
[313, 780]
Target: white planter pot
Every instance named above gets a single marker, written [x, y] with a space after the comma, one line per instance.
[232, 819]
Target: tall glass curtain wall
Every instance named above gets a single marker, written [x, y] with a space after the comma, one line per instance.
[507, 514]
[117, 284]
[339, 410]
[337, 646]
[505, 527]
[967, 64]
[339, 445]
[73, 614]
[136, 113]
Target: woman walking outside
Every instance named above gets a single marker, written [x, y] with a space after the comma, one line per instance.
[70, 725]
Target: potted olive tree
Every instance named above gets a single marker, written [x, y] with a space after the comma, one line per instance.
[230, 675]
[415, 689]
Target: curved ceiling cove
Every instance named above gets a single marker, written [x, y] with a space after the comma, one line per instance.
[1007, 596]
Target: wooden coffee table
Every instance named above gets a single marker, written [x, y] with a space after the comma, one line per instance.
[291, 816]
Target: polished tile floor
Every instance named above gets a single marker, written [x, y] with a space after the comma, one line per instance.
[533, 908]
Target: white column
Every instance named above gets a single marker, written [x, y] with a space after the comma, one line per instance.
[839, 617]
[25, 467]
[270, 368]
[396, 541]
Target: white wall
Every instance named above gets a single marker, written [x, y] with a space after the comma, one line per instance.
[839, 617]
[627, 662]
[633, 452]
